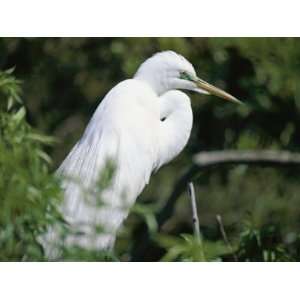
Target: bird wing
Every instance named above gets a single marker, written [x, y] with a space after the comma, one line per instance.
[122, 130]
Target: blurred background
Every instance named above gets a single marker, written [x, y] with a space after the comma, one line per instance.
[64, 80]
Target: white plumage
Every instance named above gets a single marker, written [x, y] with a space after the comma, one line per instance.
[141, 124]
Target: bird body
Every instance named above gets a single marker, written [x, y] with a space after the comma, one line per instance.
[140, 125]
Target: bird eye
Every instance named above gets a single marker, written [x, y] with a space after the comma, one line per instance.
[184, 75]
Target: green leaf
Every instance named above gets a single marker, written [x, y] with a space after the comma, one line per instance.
[48, 140]
[44, 156]
[10, 70]
[19, 116]
[10, 103]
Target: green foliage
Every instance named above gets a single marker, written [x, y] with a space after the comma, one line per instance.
[187, 248]
[29, 194]
[263, 244]
[10, 89]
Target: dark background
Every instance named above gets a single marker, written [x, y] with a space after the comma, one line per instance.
[64, 79]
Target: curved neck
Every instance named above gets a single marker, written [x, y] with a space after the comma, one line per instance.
[176, 125]
[158, 85]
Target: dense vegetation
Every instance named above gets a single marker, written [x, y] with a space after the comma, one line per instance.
[63, 81]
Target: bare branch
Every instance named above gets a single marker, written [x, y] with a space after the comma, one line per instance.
[258, 157]
[196, 223]
[205, 160]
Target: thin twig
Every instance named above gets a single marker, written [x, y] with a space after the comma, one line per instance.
[196, 223]
[194, 211]
[225, 238]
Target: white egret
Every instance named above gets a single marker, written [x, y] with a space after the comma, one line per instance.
[141, 124]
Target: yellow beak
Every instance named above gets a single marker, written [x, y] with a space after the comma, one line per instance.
[215, 91]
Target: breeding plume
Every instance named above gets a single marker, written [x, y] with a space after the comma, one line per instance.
[140, 125]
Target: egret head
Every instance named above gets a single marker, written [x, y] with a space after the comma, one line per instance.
[168, 70]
